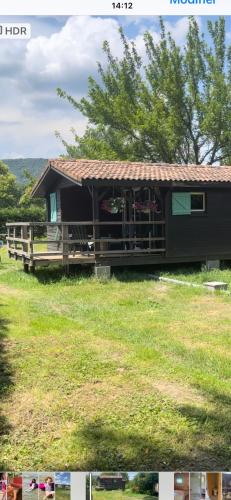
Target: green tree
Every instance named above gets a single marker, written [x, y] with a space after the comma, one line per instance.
[176, 108]
[9, 191]
[145, 483]
[25, 198]
[15, 201]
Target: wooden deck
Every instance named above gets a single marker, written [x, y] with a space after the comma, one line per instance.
[41, 244]
[44, 260]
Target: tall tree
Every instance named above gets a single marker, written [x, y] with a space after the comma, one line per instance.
[25, 199]
[176, 108]
[9, 191]
[15, 201]
[145, 483]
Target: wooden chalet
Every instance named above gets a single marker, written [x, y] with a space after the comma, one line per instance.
[111, 213]
[111, 482]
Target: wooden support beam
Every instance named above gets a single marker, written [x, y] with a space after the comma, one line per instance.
[95, 216]
[65, 247]
[31, 237]
[14, 236]
[127, 252]
[24, 238]
[7, 240]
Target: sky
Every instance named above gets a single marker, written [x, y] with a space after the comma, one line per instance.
[63, 478]
[62, 52]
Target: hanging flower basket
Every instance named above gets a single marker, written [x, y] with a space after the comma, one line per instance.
[146, 206]
[113, 205]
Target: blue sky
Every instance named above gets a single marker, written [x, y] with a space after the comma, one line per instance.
[62, 52]
[63, 478]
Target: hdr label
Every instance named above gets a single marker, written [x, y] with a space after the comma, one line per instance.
[15, 31]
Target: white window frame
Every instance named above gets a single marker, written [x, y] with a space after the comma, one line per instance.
[193, 210]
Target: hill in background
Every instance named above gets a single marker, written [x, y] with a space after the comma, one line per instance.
[18, 165]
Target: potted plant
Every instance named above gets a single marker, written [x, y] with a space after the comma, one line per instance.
[113, 205]
[146, 206]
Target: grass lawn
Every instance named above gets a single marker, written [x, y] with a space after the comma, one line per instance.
[62, 494]
[119, 495]
[126, 375]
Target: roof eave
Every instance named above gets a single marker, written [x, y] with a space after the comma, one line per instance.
[162, 183]
[68, 177]
[48, 168]
[40, 180]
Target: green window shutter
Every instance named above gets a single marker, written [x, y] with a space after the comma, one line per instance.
[181, 203]
[53, 207]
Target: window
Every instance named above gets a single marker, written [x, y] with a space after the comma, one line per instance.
[185, 203]
[197, 202]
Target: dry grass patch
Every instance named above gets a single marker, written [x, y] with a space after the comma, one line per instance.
[180, 393]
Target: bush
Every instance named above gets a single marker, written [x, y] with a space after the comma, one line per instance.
[21, 214]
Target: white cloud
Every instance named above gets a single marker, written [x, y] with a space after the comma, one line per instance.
[64, 54]
[30, 73]
[180, 27]
[71, 53]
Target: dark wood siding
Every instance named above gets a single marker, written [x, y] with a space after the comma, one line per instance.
[203, 234]
[112, 483]
[76, 204]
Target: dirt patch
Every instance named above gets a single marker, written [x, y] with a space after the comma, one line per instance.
[212, 304]
[195, 344]
[27, 414]
[61, 309]
[161, 288]
[11, 292]
[180, 393]
[108, 349]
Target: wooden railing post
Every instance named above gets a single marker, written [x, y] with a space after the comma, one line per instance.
[95, 217]
[65, 246]
[7, 241]
[31, 237]
[14, 236]
[24, 235]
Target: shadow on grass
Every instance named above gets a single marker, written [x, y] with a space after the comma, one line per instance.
[210, 447]
[126, 274]
[217, 421]
[51, 275]
[5, 377]
[55, 274]
[105, 450]
[141, 273]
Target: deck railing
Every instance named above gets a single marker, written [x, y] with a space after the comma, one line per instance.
[43, 239]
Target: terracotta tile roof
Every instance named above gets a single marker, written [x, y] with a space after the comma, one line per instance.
[90, 170]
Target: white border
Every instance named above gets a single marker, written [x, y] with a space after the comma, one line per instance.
[104, 7]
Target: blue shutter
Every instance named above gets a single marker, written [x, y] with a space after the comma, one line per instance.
[53, 207]
[181, 203]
